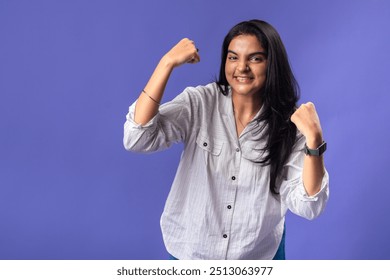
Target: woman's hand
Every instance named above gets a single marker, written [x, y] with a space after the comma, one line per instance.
[183, 52]
[150, 97]
[308, 123]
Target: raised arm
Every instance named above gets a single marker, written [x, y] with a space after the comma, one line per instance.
[308, 123]
[149, 99]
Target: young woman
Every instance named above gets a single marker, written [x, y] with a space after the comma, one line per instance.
[249, 153]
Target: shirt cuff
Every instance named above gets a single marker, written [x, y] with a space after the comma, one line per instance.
[134, 124]
[302, 191]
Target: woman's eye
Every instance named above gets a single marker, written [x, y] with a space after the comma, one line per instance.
[232, 57]
[257, 59]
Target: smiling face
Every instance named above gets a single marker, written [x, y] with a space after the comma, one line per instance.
[246, 65]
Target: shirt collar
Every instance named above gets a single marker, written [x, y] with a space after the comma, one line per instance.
[226, 109]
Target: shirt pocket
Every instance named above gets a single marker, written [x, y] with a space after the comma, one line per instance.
[254, 153]
[209, 145]
[209, 150]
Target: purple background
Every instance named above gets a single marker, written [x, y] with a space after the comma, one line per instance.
[70, 69]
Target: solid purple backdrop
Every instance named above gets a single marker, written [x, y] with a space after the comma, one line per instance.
[70, 69]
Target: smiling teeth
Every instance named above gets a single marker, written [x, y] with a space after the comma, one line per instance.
[243, 79]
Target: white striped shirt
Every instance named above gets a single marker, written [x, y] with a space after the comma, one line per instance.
[220, 205]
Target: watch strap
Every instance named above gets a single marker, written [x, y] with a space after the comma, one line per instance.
[316, 152]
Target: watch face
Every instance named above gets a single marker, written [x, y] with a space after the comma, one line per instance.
[322, 148]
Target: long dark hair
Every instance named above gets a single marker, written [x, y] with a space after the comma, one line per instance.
[279, 94]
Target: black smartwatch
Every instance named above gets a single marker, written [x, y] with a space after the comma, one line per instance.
[315, 152]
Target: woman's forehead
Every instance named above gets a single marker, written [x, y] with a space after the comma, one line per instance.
[245, 42]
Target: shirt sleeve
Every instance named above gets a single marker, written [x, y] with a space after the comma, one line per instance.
[168, 126]
[292, 190]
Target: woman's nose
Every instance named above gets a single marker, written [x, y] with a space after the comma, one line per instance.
[242, 66]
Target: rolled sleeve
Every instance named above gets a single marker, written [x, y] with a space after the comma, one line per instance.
[168, 126]
[324, 190]
[137, 136]
[299, 202]
[132, 124]
[293, 192]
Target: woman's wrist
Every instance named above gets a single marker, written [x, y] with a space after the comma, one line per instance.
[314, 141]
[167, 63]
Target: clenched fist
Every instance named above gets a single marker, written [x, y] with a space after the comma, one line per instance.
[308, 123]
[183, 52]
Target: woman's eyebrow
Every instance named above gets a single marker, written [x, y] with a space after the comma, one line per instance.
[251, 54]
[230, 51]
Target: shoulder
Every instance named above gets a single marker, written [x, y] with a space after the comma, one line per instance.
[202, 94]
[204, 91]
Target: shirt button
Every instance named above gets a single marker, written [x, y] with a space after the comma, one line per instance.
[229, 207]
[224, 236]
[205, 144]
[233, 178]
[237, 150]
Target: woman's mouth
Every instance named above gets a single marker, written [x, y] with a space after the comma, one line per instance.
[243, 79]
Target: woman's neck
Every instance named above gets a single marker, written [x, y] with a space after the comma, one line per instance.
[246, 106]
[244, 110]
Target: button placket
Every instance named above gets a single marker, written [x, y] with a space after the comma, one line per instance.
[234, 167]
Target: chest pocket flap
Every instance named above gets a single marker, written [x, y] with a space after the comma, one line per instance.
[210, 145]
[254, 154]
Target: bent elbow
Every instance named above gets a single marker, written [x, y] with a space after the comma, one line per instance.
[313, 215]
[127, 143]
[131, 138]
[314, 211]
[132, 143]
